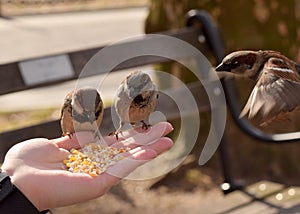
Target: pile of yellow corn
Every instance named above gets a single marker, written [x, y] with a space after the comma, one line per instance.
[93, 158]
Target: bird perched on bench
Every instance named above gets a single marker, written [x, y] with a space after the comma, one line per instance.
[82, 111]
[136, 100]
[277, 89]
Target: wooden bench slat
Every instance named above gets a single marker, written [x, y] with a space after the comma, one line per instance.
[8, 139]
[11, 79]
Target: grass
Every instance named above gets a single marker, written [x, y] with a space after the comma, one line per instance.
[17, 119]
[13, 120]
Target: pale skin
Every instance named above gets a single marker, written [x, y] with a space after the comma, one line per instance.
[35, 166]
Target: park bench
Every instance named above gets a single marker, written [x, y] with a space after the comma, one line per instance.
[200, 31]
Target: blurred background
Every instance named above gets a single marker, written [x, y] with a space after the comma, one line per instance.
[33, 28]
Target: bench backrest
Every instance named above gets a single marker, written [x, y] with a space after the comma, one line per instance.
[38, 72]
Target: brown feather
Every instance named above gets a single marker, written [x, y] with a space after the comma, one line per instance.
[87, 102]
[277, 88]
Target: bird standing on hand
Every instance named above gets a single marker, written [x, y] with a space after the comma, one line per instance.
[136, 100]
[277, 89]
[82, 111]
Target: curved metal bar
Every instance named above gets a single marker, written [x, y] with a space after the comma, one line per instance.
[244, 125]
[210, 30]
[213, 39]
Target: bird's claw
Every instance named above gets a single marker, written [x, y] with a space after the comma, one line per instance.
[115, 133]
[145, 126]
[97, 134]
[68, 134]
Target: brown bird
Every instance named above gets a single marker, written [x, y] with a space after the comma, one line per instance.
[136, 100]
[277, 89]
[82, 111]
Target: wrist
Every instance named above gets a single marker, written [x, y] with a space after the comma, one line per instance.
[12, 200]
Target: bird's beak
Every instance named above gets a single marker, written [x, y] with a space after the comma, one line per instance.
[132, 93]
[223, 67]
[224, 71]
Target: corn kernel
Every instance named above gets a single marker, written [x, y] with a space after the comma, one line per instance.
[93, 174]
[74, 151]
[93, 159]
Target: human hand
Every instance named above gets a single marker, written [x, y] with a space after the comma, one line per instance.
[35, 166]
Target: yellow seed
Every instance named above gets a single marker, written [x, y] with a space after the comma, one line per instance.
[93, 174]
[92, 166]
[93, 159]
[74, 151]
[85, 162]
[72, 157]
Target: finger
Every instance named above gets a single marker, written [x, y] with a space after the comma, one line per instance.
[76, 140]
[159, 146]
[161, 129]
[139, 156]
[129, 164]
[134, 139]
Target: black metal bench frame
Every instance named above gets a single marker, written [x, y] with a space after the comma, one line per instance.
[191, 34]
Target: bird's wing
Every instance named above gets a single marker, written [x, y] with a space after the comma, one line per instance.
[277, 90]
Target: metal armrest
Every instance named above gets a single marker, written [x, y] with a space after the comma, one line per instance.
[234, 107]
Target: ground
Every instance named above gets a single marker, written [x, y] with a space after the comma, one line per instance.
[193, 193]
[142, 200]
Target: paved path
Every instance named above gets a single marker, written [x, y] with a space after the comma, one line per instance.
[263, 197]
[33, 36]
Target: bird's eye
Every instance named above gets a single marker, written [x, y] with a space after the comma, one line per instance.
[235, 62]
[145, 78]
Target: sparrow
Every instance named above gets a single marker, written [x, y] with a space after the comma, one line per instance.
[277, 78]
[82, 111]
[135, 100]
